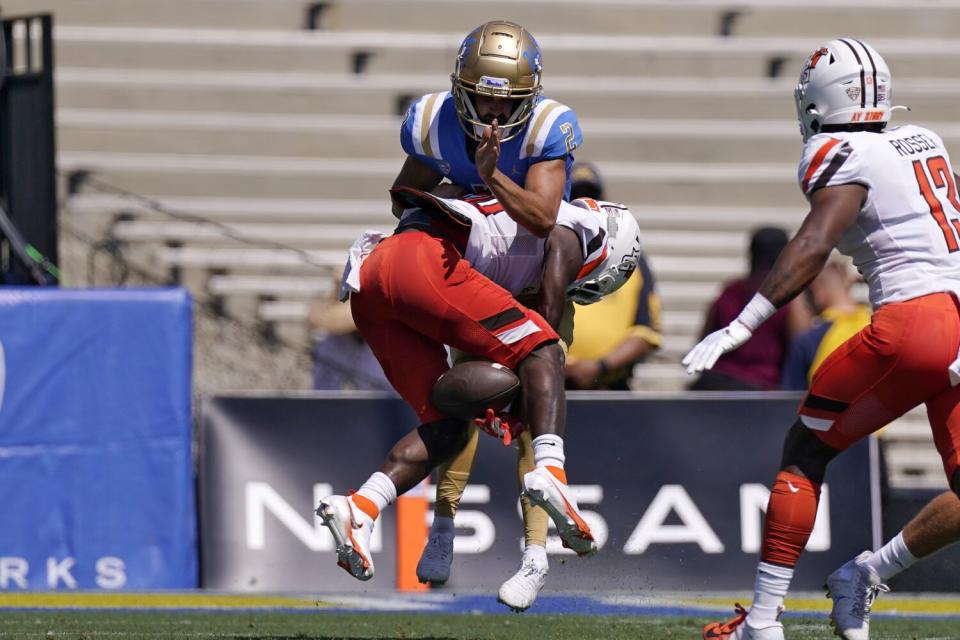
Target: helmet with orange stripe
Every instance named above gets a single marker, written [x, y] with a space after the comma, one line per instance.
[844, 84]
[619, 259]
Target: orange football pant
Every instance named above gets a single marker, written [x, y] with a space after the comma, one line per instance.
[892, 365]
[417, 294]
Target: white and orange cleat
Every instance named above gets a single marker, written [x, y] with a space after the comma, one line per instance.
[740, 629]
[545, 490]
[351, 529]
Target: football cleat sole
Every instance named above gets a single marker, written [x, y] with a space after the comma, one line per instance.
[348, 557]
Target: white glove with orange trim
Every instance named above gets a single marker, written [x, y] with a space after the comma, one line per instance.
[705, 354]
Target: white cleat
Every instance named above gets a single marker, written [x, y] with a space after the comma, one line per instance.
[740, 628]
[437, 556]
[351, 531]
[853, 588]
[520, 591]
[544, 490]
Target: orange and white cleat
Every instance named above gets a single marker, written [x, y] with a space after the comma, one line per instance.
[545, 490]
[351, 529]
[739, 629]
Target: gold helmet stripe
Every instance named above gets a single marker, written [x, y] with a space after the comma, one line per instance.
[544, 115]
[425, 139]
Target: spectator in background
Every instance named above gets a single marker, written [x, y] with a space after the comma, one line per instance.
[341, 357]
[611, 336]
[839, 318]
[756, 365]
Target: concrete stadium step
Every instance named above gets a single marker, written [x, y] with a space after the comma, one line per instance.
[245, 261]
[314, 236]
[341, 236]
[606, 96]
[561, 17]
[130, 131]
[430, 52]
[751, 184]
[222, 14]
[310, 94]
[912, 465]
[686, 140]
[644, 16]
[685, 296]
[654, 17]
[660, 376]
[279, 286]
[89, 205]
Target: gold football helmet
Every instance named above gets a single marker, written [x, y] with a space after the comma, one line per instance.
[498, 59]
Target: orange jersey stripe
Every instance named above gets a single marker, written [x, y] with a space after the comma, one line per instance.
[818, 160]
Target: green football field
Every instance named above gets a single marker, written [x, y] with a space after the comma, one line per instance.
[199, 614]
[82, 625]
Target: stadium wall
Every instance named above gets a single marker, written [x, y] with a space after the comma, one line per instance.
[673, 487]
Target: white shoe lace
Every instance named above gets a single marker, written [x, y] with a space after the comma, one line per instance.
[864, 595]
[529, 578]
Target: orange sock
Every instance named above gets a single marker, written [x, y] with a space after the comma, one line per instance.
[791, 513]
[366, 505]
[558, 473]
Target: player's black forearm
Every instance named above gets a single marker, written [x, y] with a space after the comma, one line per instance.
[833, 211]
[799, 263]
[534, 212]
[562, 259]
[415, 175]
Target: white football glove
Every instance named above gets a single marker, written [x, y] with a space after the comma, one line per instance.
[704, 355]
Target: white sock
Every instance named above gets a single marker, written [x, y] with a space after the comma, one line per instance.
[769, 590]
[891, 559]
[442, 526]
[548, 451]
[379, 489]
[537, 553]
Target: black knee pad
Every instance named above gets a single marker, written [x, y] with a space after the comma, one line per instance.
[804, 450]
[443, 439]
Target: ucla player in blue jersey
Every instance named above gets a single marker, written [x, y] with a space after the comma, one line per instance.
[493, 131]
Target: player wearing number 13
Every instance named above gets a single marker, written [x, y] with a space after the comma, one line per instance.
[886, 197]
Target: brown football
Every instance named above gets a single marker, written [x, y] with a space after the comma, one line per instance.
[468, 389]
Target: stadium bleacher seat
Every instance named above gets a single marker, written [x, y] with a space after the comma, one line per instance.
[232, 111]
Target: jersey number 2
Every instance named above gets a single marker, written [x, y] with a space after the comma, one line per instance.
[942, 177]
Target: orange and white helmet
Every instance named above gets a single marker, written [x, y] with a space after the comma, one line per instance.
[621, 256]
[843, 82]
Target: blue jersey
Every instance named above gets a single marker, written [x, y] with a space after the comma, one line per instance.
[431, 133]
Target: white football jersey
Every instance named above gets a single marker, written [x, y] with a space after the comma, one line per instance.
[510, 255]
[906, 239]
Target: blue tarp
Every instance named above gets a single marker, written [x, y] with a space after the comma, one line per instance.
[96, 480]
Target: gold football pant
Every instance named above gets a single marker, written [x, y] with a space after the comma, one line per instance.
[453, 477]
